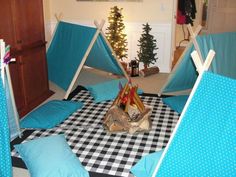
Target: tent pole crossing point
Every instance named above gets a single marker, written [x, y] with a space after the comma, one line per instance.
[202, 67]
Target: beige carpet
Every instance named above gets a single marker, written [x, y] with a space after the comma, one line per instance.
[149, 84]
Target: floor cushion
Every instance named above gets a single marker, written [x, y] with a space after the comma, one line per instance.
[176, 103]
[50, 156]
[50, 114]
[146, 165]
[107, 90]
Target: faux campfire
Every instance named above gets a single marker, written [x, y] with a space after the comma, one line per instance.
[128, 113]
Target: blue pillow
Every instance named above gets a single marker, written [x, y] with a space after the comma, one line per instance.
[176, 103]
[107, 90]
[50, 114]
[146, 165]
[50, 156]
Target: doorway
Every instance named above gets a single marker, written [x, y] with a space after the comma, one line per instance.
[181, 35]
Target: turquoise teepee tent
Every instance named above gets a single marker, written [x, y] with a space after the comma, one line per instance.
[13, 116]
[203, 141]
[184, 74]
[75, 45]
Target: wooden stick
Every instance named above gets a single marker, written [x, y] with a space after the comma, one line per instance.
[139, 103]
[125, 89]
[127, 104]
[136, 102]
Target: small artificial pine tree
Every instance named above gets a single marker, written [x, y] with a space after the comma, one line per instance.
[115, 34]
[147, 44]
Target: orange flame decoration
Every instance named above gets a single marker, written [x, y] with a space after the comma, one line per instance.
[128, 96]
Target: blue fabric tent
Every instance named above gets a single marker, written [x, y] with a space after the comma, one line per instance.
[5, 156]
[203, 142]
[184, 74]
[68, 48]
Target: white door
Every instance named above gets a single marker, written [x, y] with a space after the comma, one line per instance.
[221, 16]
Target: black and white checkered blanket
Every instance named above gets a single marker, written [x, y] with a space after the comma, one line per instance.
[107, 153]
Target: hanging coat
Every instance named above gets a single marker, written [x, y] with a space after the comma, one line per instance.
[186, 10]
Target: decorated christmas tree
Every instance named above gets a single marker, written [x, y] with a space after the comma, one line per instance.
[115, 34]
[147, 44]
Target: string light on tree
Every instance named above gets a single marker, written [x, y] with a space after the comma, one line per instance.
[115, 34]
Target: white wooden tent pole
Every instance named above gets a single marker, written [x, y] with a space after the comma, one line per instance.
[193, 36]
[84, 59]
[112, 51]
[2, 54]
[197, 61]
[211, 56]
[16, 115]
[209, 59]
[58, 18]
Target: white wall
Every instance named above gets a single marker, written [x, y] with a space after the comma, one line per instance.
[144, 11]
[158, 13]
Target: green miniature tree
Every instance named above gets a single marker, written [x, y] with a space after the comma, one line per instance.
[147, 44]
[115, 34]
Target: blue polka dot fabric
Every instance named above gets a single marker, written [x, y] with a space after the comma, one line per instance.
[5, 157]
[205, 142]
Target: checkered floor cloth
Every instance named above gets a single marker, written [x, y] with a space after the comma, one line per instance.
[106, 153]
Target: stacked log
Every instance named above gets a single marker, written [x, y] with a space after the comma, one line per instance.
[149, 71]
[128, 113]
